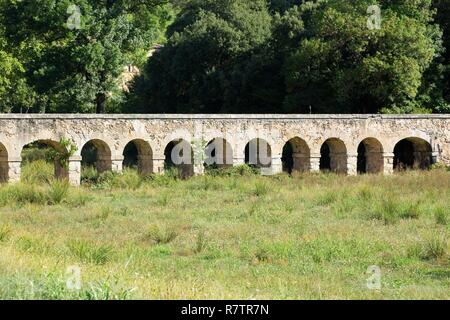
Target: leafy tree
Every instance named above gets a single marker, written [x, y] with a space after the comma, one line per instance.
[226, 56]
[343, 66]
[297, 56]
[441, 73]
[202, 68]
[76, 69]
[9, 68]
[11, 72]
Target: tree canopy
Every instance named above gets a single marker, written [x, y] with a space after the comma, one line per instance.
[298, 56]
[226, 56]
[75, 68]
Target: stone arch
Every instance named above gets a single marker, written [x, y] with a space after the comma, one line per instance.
[333, 156]
[4, 167]
[218, 154]
[370, 156]
[175, 157]
[60, 169]
[97, 153]
[296, 156]
[413, 154]
[258, 153]
[138, 154]
[166, 139]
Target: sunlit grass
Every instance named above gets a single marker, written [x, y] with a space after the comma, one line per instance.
[230, 235]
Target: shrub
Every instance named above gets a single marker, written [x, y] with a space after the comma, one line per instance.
[172, 172]
[365, 194]
[104, 290]
[205, 183]
[5, 231]
[89, 174]
[262, 254]
[105, 179]
[123, 211]
[390, 210]
[27, 193]
[441, 216]
[327, 198]
[161, 235]
[33, 245]
[200, 242]
[440, 166]
[4, 195]
[34, 153]
[242, 170]
[78, 198]
[410, 211]
[163, 199]
[385, 211]
[261, 188]
[164, 180]
[58, 191]
[129, 179]
[434, 248]
[22, 193]
[37, 172]
[414, 251]
[104, 213]
[90, 252]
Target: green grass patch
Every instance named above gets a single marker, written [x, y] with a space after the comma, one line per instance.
[230, 234]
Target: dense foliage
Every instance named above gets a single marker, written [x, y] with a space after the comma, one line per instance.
[231, 56]
[51, 67]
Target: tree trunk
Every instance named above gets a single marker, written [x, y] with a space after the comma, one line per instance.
[100, 102]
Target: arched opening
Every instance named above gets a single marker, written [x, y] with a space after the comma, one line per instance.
[296, 156]
[43, 160]
[333, 156]
[4, 167]
[370, 156]
[95, 159]
[258, 153]
[218, 154]
[138, 155]
[180, 156]
[412, 154]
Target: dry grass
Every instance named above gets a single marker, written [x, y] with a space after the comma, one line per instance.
[227, 236]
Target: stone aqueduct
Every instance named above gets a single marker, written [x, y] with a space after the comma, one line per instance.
[345, 144]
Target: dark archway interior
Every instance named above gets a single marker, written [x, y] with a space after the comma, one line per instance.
[4, 167]
[185, 168]
[89, 155]
[168, 163]
[288, 158]
[258, 154]
[333, 156]
[138, 155]
[131, 156]
[96, 154]
[370, 157]
[325, 159]
[412, 154]
[296, 156]
[218, 154]
[404, 155]
[362, 158]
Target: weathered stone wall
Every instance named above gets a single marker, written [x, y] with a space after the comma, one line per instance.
[114, 132]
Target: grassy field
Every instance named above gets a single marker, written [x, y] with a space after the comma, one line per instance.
[238, 237]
